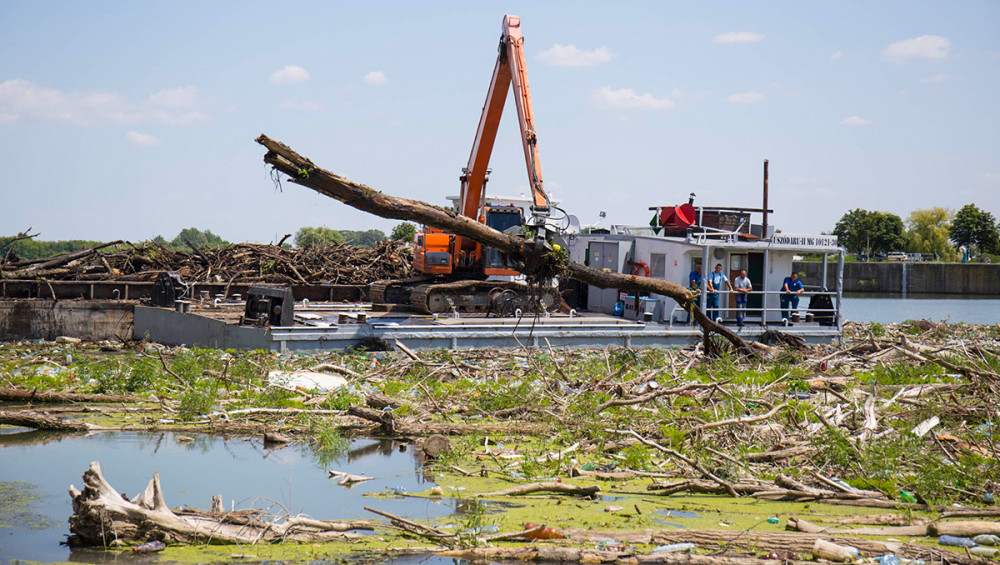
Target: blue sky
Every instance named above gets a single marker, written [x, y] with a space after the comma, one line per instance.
[132, 119]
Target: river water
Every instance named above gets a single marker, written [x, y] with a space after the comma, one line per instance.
[887, 308]
[292, 480]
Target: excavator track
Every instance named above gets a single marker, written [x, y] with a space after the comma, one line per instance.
[490, 297]
[394, 291]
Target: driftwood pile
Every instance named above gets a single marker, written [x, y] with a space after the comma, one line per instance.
[237, 263]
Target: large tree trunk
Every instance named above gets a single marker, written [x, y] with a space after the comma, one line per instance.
[532, 262]
[101, 516]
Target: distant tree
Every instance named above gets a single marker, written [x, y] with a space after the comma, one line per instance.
[366, 238]
[928, 232]
[403, 232]
[27, 249]
[975, 229]
[198, 238]
[313, 237]
[862, 231]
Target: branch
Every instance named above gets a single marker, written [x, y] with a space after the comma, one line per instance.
[531, 262]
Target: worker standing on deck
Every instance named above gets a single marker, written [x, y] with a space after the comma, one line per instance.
[790, 291]
[715, 281]
[743, 286]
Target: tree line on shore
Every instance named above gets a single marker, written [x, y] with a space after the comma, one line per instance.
[937, 231]
[27, 247]
[941, 232]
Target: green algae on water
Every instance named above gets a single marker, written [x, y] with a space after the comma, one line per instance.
[17, 501]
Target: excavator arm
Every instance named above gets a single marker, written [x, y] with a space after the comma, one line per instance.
[510, 72]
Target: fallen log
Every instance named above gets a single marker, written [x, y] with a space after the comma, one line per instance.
[102, 517]
[555, 554]
[43, 421]
[8, 394]
[549, 486]
[799, 525]
[536, 265]
[958, 529]
[391, 426]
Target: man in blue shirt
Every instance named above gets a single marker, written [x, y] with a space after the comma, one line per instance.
[715, 281]
[790, 291]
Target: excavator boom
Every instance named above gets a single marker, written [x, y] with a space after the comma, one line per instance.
[454, 268]
[510, 72]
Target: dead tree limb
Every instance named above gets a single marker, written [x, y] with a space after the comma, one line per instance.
[8, 394]
[301, 170]
[550, 486]
[101, 516]
[42, 421]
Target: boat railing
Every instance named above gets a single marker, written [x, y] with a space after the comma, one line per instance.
[703, 234]
[726, 312]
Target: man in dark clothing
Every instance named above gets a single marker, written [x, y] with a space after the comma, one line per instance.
[790, 291]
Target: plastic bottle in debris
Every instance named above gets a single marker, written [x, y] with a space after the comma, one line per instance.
[988, 552]
[956, 541]
[888, 559]
[905, 496]
[149, 547]
[987, 539]
[674, 548]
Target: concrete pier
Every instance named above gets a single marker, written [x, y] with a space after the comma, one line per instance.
[909, 278]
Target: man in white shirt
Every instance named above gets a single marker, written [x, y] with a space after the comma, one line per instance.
[742, 286]
[715, 281]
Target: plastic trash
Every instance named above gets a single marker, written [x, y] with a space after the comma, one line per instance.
[674, 548]
[834, 552]
[905, 496]
[773, 520]
[888, 559]
[956, 541]
[149, 547]
[988, 498]
[985, 551]
[589, 466]
[987, 539]
[842, 483]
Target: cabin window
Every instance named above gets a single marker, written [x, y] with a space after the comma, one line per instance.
[736, 262]
[658, 265]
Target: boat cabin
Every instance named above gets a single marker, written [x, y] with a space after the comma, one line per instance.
[680, 240]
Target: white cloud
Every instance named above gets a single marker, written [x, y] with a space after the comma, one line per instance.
[290, 75]
[856, 121]
[932, 47]
[375, 78]
[739, 37]
[22, 100]
[627, 98]
[836, 55]
[747, 98]
[689, 95]
[303, 105]
[940, 77]
[571, 56]
[141, 139]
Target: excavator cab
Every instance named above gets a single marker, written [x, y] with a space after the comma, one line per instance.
[508, 219]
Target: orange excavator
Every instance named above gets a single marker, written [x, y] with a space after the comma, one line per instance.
[453, 268]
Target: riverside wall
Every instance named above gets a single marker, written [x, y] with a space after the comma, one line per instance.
[908, 278]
